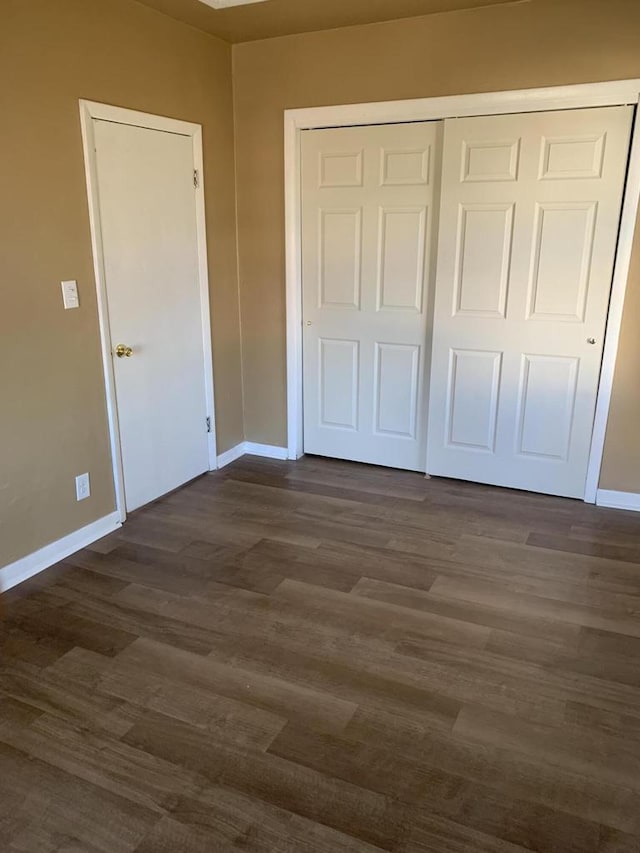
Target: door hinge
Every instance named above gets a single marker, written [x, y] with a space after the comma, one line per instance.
[196, 179]
[208, 424]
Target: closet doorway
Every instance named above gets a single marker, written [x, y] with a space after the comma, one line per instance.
[453, 286]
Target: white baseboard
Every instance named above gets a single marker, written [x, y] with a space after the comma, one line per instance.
[618, 500]
[231, 455]
[32, 564]
[269, 451]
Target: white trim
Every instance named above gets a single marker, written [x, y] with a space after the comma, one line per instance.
[31, 565]
[231, 455]
[250, 448]
[121, 115]
[269, 451]
[293, 274]
[89, 111]
[613, 93]
[205, 307]
[618, 500]
[88, 144]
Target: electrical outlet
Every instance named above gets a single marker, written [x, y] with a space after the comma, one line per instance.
[83, 488]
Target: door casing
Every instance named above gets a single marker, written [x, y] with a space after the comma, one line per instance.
[89, 112]
[612, 93]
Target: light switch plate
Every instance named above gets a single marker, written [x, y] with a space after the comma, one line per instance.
[70, 294]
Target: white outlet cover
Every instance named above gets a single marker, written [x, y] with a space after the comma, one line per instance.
[83, 487]
[227, 4]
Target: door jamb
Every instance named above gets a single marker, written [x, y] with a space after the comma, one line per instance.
[89, 111]
[580, 96]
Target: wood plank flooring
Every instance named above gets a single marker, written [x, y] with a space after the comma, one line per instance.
[324, 657]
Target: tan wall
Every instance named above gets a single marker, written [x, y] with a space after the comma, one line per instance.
[621, 464]
[543, 43]
[52, 405]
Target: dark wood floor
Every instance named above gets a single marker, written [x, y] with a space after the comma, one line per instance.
[320, 657]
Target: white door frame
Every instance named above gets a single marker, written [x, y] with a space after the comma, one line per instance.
[90, 110]
[613, 93]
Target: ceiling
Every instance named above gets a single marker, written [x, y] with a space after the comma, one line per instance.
[284, 17]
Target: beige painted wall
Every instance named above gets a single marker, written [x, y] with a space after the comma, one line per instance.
[542, 43]
[621, 464]
[52, 405]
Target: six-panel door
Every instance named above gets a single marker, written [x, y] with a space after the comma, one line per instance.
[528, 226]
[367, 226]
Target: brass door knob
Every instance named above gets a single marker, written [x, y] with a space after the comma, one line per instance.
[123, 351]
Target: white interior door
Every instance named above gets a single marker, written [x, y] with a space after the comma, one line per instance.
[148, 225]
[367, 224]
[528, 228]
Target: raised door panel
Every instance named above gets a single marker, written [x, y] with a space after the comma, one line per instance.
[405, 167]
[561, 261]
[483, 254]
[571, 157]
[341, 169]
[490, 160]
[401, 259]
[338, 383]
[396, 389]
[472, 399]
[340, 242]
[546, 405]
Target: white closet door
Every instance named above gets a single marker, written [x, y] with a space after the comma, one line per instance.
[528, 228]
[367, 222]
